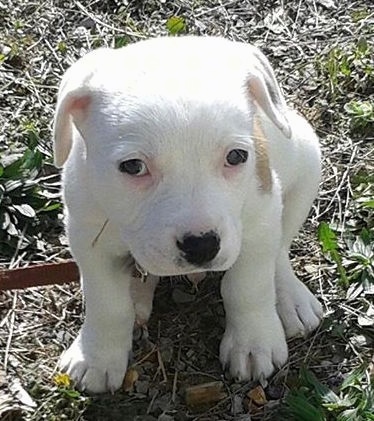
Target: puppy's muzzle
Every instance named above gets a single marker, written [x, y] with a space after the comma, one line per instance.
[201, 249]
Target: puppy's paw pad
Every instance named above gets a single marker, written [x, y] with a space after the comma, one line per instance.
[253, 358]
[299, 310]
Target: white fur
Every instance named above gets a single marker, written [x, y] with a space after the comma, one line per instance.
[180, 105]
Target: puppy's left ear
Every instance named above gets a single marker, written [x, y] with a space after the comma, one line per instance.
[263, 87]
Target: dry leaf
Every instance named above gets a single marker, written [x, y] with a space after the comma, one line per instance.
[130, 378]
[257, 396]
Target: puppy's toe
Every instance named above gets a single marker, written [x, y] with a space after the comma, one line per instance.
[293, 326]
[254, 354]
[310, 314]
[93, 381]
[96, 380]
[299, 310]
[94, 370]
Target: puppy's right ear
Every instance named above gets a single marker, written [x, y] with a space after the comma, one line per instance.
[72, 108]
[74, 100]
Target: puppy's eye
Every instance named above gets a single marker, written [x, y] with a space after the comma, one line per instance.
[134, 167]
[236, 157]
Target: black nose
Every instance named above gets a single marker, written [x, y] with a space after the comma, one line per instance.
[199, 249]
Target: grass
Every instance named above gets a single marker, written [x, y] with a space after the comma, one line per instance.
[312, 400]
[323, 57]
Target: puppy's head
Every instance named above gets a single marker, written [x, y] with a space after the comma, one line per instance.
[172, 154]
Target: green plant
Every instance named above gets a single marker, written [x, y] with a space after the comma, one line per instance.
[360, 14]
[354, 261]
[121, 41]
[176, 25]
[348, 70]
[62, 47]
[23, 200]
[359, 260]
[65, 386]
[330, 247]
[361, 115]
[311, 400]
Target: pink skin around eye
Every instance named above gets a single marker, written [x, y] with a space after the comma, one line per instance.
[230, 172]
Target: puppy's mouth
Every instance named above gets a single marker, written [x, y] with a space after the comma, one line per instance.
[181, 268]
[142, 274]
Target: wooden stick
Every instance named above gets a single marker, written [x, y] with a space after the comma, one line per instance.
[39, 274]
[205, 394]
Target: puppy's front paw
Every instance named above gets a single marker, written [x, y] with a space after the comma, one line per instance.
[253, 352]
[95, 368]
[298, 308]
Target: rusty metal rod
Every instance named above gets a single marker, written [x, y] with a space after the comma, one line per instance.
[39, 274]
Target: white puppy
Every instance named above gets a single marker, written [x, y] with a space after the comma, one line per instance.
[181, 155]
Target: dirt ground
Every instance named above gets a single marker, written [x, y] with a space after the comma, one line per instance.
[38, 41]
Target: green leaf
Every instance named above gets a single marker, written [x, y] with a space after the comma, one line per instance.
[327, 238]
[354, 377]
[32, 159]
[368, 204]
[4, 220]
[12, 185]
[175, 25]
[362, 45]
[302, 409]
[322, 391]
[51, 207]
[71, 393]
[62, 47]
[14, 169]
[348, 415]
[121, 41]
[329, 243]
[25, 210]
[12, 230]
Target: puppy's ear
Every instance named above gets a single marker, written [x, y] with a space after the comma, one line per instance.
[72, 108]
[262, 85]
[74, 100]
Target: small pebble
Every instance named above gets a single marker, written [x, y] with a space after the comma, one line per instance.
[274, 392]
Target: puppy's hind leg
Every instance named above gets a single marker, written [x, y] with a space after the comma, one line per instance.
[142, 297]
[297, 307]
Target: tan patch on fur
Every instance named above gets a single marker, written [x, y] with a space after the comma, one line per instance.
[262, 156]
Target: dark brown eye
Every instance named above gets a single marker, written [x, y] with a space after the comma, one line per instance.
[236, 157]
[134, 167]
